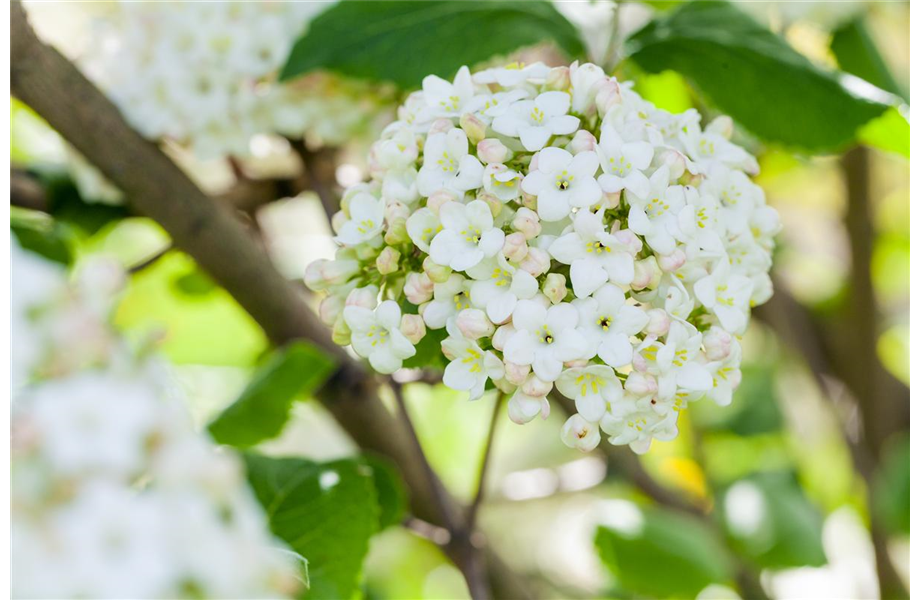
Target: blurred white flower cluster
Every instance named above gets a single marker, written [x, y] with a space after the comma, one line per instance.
[204, 73]
[114, 495]
[552, 228]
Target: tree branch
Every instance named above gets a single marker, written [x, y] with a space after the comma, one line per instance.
[473, 510]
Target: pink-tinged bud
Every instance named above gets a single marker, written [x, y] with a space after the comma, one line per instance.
[675, 161]
[341, 334]
[576, 364]
[365, 297]
[583, 141]
[579, 433]
[673, 261]
[388, 261]
[611, 200]
[440, 126]
[534, 386]
[516, 374]
[474, 324]
[396, 210]
[413, 327]
[658, 322]
[640, 384]
[397, 233]
[323, 273]
[501, 337]
[436, 273]
[338, 219]
[473, 127]
[554, 287]
[438, 199]
[648, 274]
[495, 205]
[492, 151]
[558, 79]
[608, 96]
[718, 343]
[527, 222]
[528, 201]
[418, 288]
[524, 409]
[537, 262]
[330, 308]
[630, 240]
[721, 125]
[690, 179]
[515, 248]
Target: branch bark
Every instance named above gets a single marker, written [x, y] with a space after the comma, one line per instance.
[45, 80]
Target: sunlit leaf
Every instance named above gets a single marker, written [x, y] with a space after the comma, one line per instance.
[857, 54]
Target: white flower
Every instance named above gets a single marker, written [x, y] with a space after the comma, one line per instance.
[596, 255]
[606, 321]
[637, 424]
[448, 164]
[446, 99]
[577, 432]
[499, 286]
[544, 338]
[468, 236]
[735, 192]
[587, 80]
[562, 182]
[523, 408]
[470, 366]
[512, 74]
[536, 121]
[422, 226]
[365, 222]
[655, 215]
[623, 163]
[708, 149]
[375, 335]
[726, 375]
[700, 221]
[502, 182]
[728, 295]
[675, 361]
[450, 298]
[592, 388]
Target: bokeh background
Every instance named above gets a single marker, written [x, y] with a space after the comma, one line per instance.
[803, 479]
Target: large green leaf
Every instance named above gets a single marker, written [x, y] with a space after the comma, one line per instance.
[753, 75]
[42, 235]
[769, 520]
[262, 410]
[326, 512]
[404, 41]
[661, 554]
[391, 490]
[857, 54]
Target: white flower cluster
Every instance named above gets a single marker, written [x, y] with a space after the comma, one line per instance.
[555, 229]
[203, 73]
[114, 495]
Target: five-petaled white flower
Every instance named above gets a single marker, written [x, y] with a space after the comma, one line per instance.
[375, 335]
[728, 295]
[592, 388]
[470, 366]
[468, 235]
[366, 220]
[448, 164]
[623, 163]
[422, 226]
[637, 424]
[450, 298]
[606, 321]
[544, 338]
[675, 361]
[596, 255]
[562, 182]
[446, 99]
[655, 215]
[499, 286]
[536, 121]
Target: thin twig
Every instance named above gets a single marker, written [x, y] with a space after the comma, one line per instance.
[473, 510]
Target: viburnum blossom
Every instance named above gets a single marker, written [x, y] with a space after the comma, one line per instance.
[114, 493]
[568, 240]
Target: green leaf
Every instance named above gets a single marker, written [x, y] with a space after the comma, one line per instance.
[889, 132]
[195, 283]
[391, 490]
[753, 75]
[326, 512]
[66, 204]
[403, 41]
[770, 521]
[754, 409]
[892, 486]
[42, 235]
[428, 351]
[661, 554]
[858, 55]
[262, 410]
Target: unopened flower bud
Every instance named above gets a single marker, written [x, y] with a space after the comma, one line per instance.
[534, 386]
[583, 141]
[554, 287]
[673, 261]
[608, 96]
[438, 199]
[648, 274]
[690, 179]
[718, 343]
[640, 384]
[397, 233]
[388, 261]
[322, 273]
[611, 200]
[515, 248]
[516, 374]
[537, 262]
[365, 297]
[527, 222]
[396, 210]
[474, 324]
[558, 79]
[578, 433]
[674, 161]
[413, 327]
[528, 201]
[341, 334]
[523, 408]
[630, 240]
[492, 151]
[473, 127]
[495, 205]
[418, 288]
[501, 337]
[658, 322]
[721, 125]
[330, 308]
[576, 364]
[440, 126]
[436, 273]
